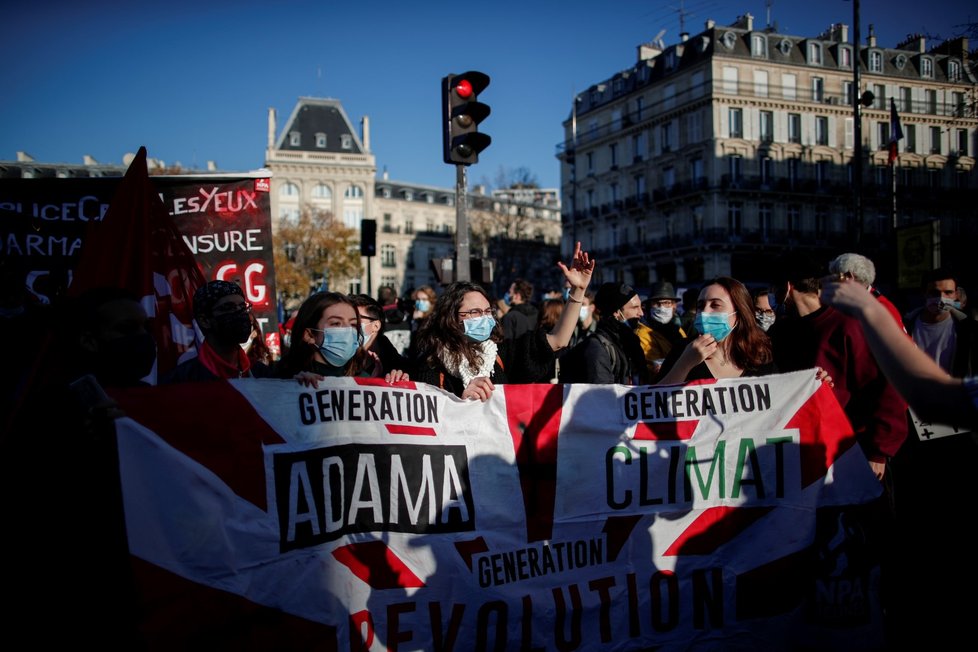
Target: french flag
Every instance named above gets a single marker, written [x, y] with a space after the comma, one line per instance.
[896, 132]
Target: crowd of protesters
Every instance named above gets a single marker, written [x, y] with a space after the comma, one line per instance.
[827, 315]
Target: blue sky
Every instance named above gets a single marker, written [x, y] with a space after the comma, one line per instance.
[193, 81]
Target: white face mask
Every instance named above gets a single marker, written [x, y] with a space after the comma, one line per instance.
[662, 314]
[585, 311]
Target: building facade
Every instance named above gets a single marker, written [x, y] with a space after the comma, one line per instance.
[717, 154]
[319, 161]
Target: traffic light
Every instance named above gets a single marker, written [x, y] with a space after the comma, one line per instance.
[368, 237]
[461, 115]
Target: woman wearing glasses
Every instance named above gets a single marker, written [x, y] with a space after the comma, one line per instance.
[462, 348]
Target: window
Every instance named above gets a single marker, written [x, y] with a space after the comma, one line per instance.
[879, 101]
[847, 92]
[815, 54]
[785, 46]
[666, 135]
[822, 173]
[821, 221]
[794, 218]
[962, 142]
[616, 120]
[883, 134]
[730, 80]
[931, 101]
[758, 45]
[613, 192]
[639, 104]
[845, 57]
[639, 185]
[767, 167]
[697, 214]
[668, 178]
[694, 126]
[590, 162]
[926, 67]
[875, 61]
[760, 83]
[734, 212]
[387, 256]
[353, 192]
[696, 84]
[821, 130]
[638, 146]
[906, 99]
[668, 96]
[346, 141]
[767, 126]
[736, 117]
[289, 189]
[935, 140]
[957, 102]
[850, 133]
[793, 164]
[696, 170]
[789, 84]
[953, 71]
[321, 140]
[734, 166]
[909, 138]
[409, 225]
[295, 139]
[794, 128]
[764, 214]
[387, 224]
[321, 191]
[614, 155]
[818, 89]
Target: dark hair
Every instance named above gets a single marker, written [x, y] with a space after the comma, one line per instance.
[939, 274]
[373, 308]
[760, 292]
[442, 332]
[386, 295]
[801, 270]
[301, 353]
[525, 288]
[750, 347]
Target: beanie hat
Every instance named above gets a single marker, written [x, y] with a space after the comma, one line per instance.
[211, 292]
[612, 296]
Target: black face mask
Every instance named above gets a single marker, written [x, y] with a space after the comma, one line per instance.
[233, 328]
[122, 362]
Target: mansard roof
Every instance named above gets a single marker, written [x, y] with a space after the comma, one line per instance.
[313, 116]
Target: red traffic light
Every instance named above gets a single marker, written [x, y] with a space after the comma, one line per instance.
[464, 89]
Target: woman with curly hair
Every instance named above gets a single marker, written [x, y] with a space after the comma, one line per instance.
[326, 341]
[462, 348]
[730, 344]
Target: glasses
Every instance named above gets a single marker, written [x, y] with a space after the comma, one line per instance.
[232, 308]
[368, 318]
[475, 313]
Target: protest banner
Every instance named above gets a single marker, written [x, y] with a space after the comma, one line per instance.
[224, 219]
[361, 515]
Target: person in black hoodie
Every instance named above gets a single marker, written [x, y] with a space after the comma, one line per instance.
[522, 315]
[614, 354]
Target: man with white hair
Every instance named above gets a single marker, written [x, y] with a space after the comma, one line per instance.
[863, 271]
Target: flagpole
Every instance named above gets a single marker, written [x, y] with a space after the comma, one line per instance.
[893, 190]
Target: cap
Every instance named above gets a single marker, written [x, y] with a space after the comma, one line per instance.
[612, 296]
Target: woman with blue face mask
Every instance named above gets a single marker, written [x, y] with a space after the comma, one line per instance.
[730, 343]
[461, 346]
[326, 341]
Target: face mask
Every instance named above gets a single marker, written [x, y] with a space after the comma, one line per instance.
[947, 304]
[364, 336]
[585, 311]
[479, 329]
[662, 315]
[507, 298]
[422, 305]
[764, 320]
[716, 324]
[233, 328]
[339, 345]
[631, 323]
[125, 360]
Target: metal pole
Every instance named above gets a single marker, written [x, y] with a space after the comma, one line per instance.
[462, 264]
[893, 175]
[370, 291]
[857, 147]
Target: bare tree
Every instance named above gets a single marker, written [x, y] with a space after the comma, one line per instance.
[314, 246]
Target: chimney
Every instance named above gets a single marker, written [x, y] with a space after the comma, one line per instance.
[745, 22]
[88, 160]
[211, 166]
[684, 37]
[24, 157]
[271, 128]
[710, 24]
[365, 133]
[871, 39]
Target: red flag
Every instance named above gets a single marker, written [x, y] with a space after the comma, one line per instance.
[137, 247]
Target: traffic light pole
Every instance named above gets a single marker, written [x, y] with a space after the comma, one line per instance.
[462, 265]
